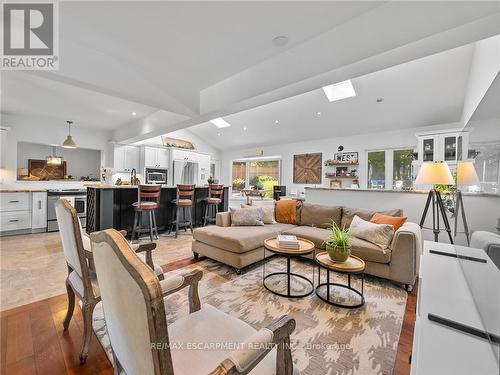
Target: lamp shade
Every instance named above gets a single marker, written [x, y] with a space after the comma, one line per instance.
[69, 142]
[432, 173]
[466, 174]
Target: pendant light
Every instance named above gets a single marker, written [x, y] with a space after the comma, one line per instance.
[53, 159]
[69, 143]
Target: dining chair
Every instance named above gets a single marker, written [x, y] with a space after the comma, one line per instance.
[142, 340]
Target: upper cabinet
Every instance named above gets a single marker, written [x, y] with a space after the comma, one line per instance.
[126, 158]
[446, 145]
[155, 157]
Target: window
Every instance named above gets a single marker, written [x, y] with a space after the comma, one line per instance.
[263, 174]
[402, 169]
[487, 164]
[376, 170]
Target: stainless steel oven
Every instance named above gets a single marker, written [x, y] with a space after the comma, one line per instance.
[76, 197]
[156, 176]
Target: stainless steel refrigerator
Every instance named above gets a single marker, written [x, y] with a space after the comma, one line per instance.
[185, 172]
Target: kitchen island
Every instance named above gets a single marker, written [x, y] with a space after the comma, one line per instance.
[110, 206]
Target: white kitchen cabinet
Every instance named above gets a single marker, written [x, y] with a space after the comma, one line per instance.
[15, 201]
[155, 157]
[39, 211]
[126, 158]
[15, 212]
[445, 145]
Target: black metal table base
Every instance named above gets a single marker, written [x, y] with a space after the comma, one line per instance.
[289, 276]
[328, 286]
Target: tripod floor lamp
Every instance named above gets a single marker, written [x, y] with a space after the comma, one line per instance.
[435, 173]
[466, 176]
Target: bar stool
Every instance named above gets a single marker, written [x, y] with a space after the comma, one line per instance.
[215, 197]
[149, 201]
[183, 203]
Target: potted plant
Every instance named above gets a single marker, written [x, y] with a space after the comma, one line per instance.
[338, 244]
[210, 180]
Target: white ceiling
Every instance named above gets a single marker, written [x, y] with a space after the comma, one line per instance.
[489, 108]
[30, 95]
[422, 92]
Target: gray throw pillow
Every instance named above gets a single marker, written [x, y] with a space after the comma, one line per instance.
[267, 212]
[246, 217]
[379, 234]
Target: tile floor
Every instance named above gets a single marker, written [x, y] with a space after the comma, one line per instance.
[32, 266]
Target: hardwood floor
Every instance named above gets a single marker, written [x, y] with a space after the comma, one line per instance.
[33, 340]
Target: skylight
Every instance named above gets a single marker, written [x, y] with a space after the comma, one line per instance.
[220, 123]
[339, 91]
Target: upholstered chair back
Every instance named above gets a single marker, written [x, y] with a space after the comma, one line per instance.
[70, 233]
[133, 306]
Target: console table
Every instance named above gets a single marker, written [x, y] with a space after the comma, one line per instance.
[456, 292]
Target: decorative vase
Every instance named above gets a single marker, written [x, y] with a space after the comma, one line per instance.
[338, 254]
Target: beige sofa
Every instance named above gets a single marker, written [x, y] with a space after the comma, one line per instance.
[242, 246]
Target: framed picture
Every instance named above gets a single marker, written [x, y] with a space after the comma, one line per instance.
[346, 157]
[40, 169]
[307, 168]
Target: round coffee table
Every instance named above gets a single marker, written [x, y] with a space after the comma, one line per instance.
[336, 293]
[305, 247]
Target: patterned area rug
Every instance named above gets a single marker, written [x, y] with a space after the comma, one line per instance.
[327, 340]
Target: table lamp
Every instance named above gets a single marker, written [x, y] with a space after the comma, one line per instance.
[435, 173]
[466, 176]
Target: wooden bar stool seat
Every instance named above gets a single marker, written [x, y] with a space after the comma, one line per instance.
[215, 197]
[183, 204]
[149, 201]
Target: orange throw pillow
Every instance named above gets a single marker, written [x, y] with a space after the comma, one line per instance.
[395, 221]
[286, 211]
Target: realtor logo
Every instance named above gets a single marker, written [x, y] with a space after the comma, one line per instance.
[30, 36]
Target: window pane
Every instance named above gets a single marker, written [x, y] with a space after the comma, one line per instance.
[239, 176]
[264, 175]
[487, 164]
[376, 170]
[402, 168]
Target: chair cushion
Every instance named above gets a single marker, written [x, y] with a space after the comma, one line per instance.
[238, 239]
[214, 200]
[349, 213]
[318, 215]
[157, 268]
[183, 202]
[145, 205]
[211, 326]
[317, 235]
[369, 252]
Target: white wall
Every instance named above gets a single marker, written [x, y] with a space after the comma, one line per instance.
[42, 131]
[360, 143]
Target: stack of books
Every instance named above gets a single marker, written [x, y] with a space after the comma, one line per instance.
[288, 242]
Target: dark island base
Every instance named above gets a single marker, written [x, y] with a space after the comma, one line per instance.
[112, 208]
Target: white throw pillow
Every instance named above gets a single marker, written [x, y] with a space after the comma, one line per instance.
[267, 213]
[246, 216]
[379, 234]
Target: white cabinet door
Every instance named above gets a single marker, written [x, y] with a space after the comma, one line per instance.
[39, 210]
[150, 158]
[119, 158]
[162, 158]
[131, 158]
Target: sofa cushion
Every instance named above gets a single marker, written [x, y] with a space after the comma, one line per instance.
[349, 213]
[318, 215]
[317, 235]
[369, 252]
[285, 211]
[238, 239]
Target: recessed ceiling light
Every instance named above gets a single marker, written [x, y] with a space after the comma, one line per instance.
[280, 41]
[245, 128]
[134, 113]
[338, 91]
[276, 121]
[380, 100]
[219, 134]
[318, 113]
[220, 122]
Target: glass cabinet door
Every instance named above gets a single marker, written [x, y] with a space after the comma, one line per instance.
[450, 148]
[428, 151]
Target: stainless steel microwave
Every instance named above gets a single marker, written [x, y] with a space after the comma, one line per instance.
[156, 176]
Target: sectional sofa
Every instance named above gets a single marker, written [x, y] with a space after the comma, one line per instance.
[240, 246]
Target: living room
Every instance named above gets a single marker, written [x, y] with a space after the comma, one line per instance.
[199, 195]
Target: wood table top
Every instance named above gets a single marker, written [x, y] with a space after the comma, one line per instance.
[352, 264]
[305, 247]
